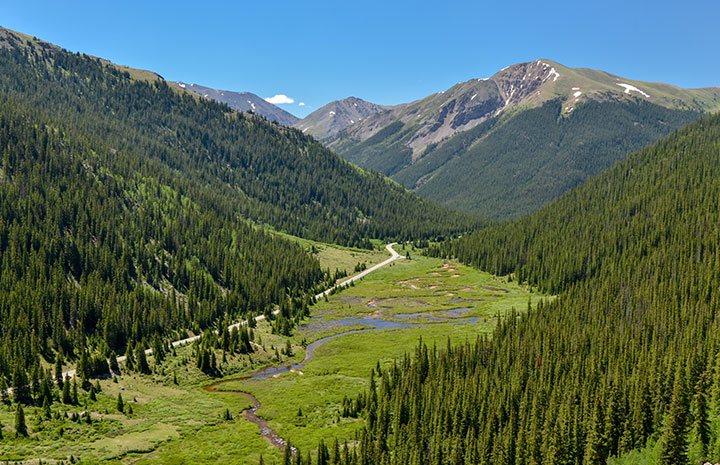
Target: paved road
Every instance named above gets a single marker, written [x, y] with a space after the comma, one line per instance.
[393, 256]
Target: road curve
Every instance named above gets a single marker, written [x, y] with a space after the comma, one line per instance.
[393, 256]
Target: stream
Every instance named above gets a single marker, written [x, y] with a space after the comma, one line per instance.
[374, 323]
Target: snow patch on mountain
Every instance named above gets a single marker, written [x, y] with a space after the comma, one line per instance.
[629, 88]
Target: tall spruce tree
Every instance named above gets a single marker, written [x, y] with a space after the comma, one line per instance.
[674, 444]
[701, 420]
[21, 384]
[20, 426]
[142, 363]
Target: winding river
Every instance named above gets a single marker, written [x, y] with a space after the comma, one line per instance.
[373, 323]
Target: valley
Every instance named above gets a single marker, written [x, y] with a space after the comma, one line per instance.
[520, 269]
[438, 301]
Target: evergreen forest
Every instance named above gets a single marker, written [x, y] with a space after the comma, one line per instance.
[626, 357]
[133, 212]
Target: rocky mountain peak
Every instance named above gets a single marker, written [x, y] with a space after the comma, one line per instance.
[520, 81]
[336, 116]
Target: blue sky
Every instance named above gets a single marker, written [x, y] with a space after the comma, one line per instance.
[387, 52]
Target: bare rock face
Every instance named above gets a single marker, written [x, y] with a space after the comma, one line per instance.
[517, 83]
[460, 108]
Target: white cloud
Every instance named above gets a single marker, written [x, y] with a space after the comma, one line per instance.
[279, 99]
[301, 104]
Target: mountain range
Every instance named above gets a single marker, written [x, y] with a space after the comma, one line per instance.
[134, 210]
[506, 145]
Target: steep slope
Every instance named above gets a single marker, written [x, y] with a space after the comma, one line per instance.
[493, 123]
[244, 101]
[131, 210]
[100, 249]
[626, 357]
[335, 116]
[276, 175]
[508, 169]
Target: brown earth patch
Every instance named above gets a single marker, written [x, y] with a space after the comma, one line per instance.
[408, 284]
[373, 303]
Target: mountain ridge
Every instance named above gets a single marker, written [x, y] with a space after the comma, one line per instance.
[243, 101]
[436, 145]
[524, 84]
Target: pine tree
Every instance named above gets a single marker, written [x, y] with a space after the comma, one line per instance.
[4, 397]
[66, 398]
[287, 454]
[674, 440]
[83, 367]
[323, 455]
[21, 388]
[20, 426]
[142, 364]
[701, 423]
[120, 404]
[129, 357]
[46, 409]
[75, 400]
[595, 450]
[114, 367]
[58, 370]
[715, 391]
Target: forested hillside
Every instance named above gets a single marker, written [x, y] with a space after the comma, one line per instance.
[537, 155]
[132, 211]
[276, 175]
[627, 356]
[96, 254]
[511, 165]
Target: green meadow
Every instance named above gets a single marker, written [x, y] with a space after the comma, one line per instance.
[184, 423]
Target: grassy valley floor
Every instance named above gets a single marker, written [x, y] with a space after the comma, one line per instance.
[185, 424]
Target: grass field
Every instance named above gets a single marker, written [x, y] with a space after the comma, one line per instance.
[183, 423]
[341, 367]
[335, 257]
